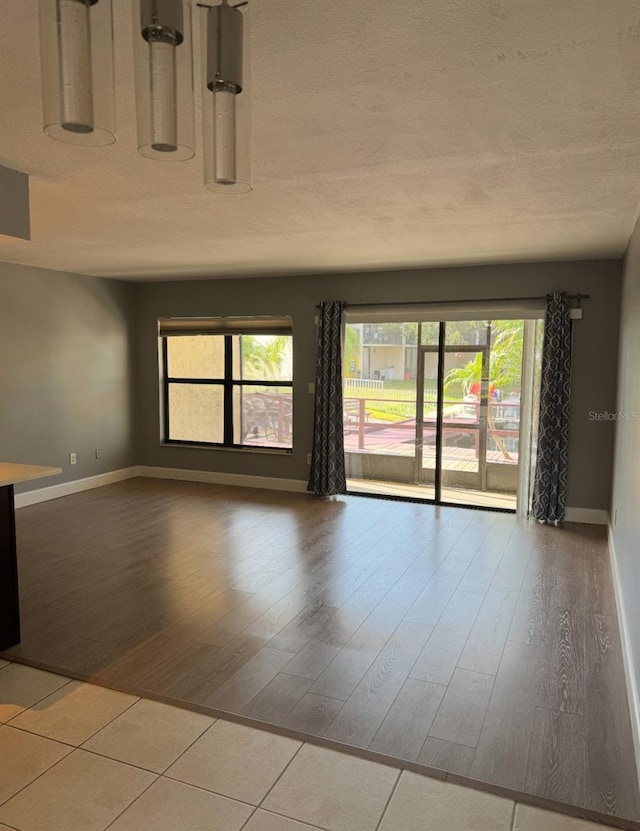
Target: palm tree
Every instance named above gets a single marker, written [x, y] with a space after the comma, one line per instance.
[505, 369]
[264, 357]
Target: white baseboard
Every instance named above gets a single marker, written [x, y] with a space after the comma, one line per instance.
[207, 476]
[627, 652]
[214, 478]
[66, 488]
[591, 516]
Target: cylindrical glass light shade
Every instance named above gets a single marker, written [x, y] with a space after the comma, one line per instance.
[76, 54]
[226, 111]
[164, 79]
[74, 43]
[164, 103]
[224, 141]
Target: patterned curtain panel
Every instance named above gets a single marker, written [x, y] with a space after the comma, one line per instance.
[550, 486]
[328, 475]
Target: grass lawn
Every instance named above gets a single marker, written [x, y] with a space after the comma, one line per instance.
[403, 403]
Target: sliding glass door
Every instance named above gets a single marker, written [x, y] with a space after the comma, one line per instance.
[433, 411]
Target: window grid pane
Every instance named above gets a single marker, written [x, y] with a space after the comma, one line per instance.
[262, 358]
[195, 357]
[196, 413]
[263, 416]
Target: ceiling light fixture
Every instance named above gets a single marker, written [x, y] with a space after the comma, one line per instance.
[76, 54]
[225, 111]
[76, 48]
[164, 79]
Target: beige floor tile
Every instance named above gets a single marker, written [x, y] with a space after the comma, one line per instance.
[447, 806]
[333, 790]
[169, 805]
[149, 734]
[535, 819]
[83, 792]
[23, 686]
[26, 757]
[264, 821]
[73, 713]
[3, 663]
[235, 761]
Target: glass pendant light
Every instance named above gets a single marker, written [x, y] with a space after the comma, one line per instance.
[76, 53]
[164, 79]
[225, 100]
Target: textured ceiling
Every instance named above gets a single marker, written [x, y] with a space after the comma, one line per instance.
[385, 134]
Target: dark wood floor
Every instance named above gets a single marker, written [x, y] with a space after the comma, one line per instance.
[468, 641]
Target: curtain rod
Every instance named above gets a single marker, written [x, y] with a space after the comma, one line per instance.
[577, 297]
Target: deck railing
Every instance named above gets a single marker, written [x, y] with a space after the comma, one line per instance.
[460, 417]
[363, 383]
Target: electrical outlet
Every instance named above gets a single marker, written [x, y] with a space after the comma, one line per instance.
[72, 458]
[308, 458]
[98, 452]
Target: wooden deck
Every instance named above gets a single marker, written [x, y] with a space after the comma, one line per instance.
[398, 439]
[468, 641]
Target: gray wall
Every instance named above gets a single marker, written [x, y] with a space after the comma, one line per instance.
[595, 345]
[14, 204]
[626, 479]
[65, 371]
